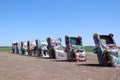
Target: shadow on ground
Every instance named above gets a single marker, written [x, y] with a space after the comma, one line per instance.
[60, 60]
[91, 65]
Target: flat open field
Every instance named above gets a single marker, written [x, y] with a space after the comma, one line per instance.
[19, 67]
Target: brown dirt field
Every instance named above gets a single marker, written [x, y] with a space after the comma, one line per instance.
[19, 67]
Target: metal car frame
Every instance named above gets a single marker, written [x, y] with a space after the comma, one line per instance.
[74, 49]
[55, 48]
[106, 49]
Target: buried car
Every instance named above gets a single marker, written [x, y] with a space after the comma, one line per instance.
[106, 49]
[74, 48]
[19, 48]
[43, 48]
[14, 47]
[55, 49]
[32, 48]
[24, 47]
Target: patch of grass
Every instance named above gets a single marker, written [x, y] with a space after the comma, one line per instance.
[89, 48]
[118, 47]
[5, 49]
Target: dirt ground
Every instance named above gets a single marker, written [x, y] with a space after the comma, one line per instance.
[19, 67]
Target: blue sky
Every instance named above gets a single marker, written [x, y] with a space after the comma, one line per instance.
[22, 20]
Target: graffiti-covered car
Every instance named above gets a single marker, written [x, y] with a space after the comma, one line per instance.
[24, 47]
[14, 47]
[55, 48]
[106, 49]
[43, 48]
[19, 51]
[74, 48]
[32, 48]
